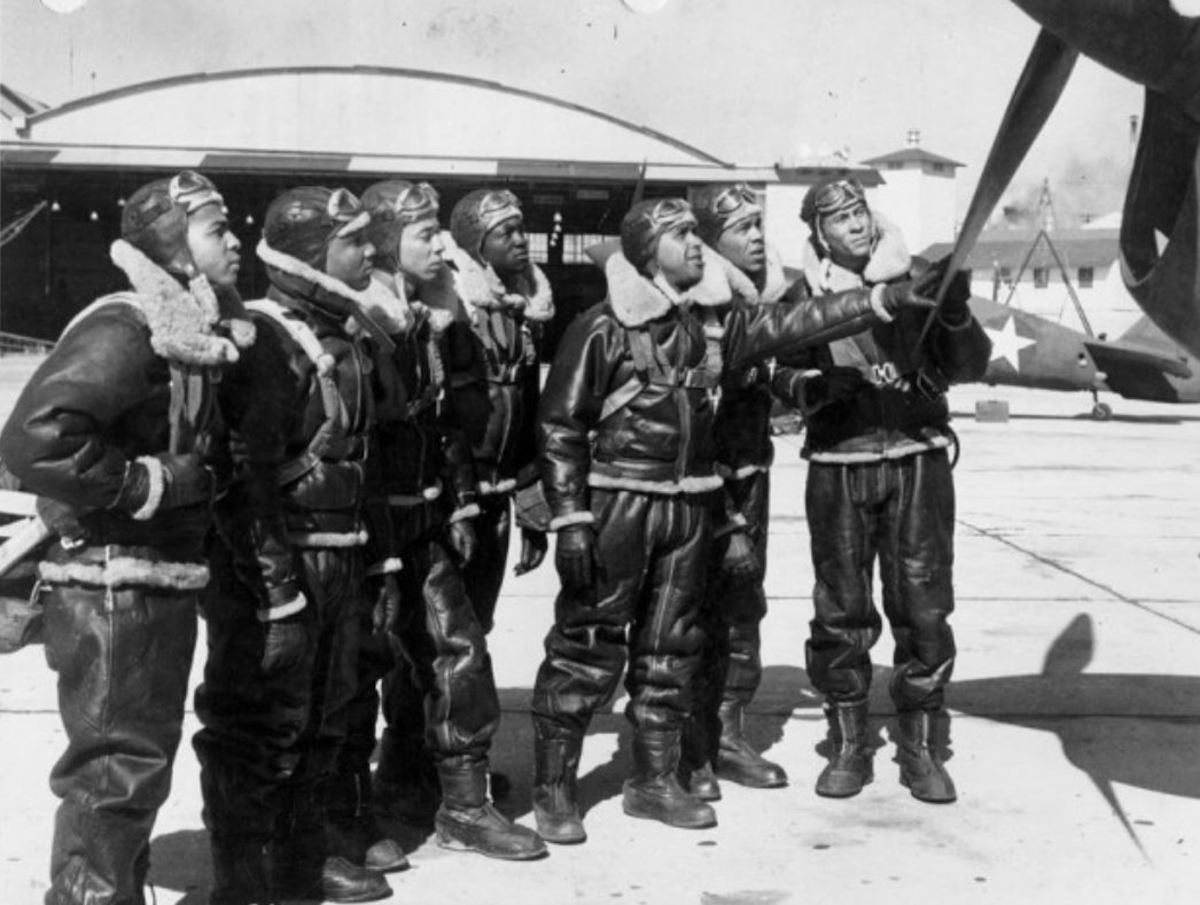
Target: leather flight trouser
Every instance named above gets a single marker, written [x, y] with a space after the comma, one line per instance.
[123, 661]
[654, 553]
[484, 574]
[267, 736]
[901, 510]
[443, 686]
[731, 663]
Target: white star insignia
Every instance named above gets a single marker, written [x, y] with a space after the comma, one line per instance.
[1007, 344]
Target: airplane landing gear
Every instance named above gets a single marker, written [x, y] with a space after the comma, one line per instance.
[1101, 411]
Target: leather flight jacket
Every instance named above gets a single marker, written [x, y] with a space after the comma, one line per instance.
[900, 407]
[654, 356]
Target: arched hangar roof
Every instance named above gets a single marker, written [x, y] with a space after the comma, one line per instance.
[356, 118]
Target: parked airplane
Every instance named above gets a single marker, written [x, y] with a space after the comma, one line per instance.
[1031, 351]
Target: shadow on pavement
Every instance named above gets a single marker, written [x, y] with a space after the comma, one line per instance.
[181, 862]
[1140, 730]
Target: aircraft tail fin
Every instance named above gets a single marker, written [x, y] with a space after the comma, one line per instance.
[1145, 332]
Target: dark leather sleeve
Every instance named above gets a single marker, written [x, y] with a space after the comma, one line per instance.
[457, 455]
[262, 399]
[74, 427]
[525, 445]
[755, 332]
[580, 378]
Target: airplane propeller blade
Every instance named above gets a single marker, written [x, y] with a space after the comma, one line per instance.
[1037, 91]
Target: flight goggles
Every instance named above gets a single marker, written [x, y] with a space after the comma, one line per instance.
[495, 207]
[733, 205]
[344, 208]
[413, 202]
[831, 197]
[667, 214]
[191, 191]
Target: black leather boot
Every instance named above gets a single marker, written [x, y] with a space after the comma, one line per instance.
[355, 833]
[239, 871]
[342, 881]
[850, 767]
[919, 756]
[556, 769]
[697, 753]
[736, 760]
[468, 822]
[406, 786]
[301, 864]
[654, 792]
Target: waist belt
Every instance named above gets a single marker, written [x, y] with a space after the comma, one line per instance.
[688, 378]
[428, 495]
[119, 566]
[429, 397]
[331, 539]
[506, 374]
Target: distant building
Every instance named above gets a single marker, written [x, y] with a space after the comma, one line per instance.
[1087, 258]
[259, 131]
[919, 192]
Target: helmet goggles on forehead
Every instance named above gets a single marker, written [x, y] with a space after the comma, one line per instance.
[668, 214]
[191, 191]
[497, 206]
[415, 202]
[838, 196]
[736, 204]
[344, 209]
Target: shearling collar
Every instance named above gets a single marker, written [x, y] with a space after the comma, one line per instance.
[181, 320]
[889, 260]
[479, 286]
[374, 298]
[636, 300]
[719, 268]
[401, 313]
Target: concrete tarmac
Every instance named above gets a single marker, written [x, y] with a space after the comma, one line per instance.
[1076, 703]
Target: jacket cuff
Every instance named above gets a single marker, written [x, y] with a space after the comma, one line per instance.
[804, 382]
[386, 566]
[877, 304]
[571, 518]
[735, 522]
[288, 607]
[464, 512]
[156, 486]
[953, 325]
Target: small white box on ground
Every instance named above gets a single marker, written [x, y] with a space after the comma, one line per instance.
[991, 410]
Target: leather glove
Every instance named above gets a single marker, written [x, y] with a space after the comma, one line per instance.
[387, 606]
[832, 385]
[897, 296]
[575, 557]
[461, 536]
[186, 481]
[63, 520]
[740, 564]
[284, 643]
[533, 550]
[955, 308]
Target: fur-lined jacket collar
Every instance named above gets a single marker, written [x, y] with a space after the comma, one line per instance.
[479, 286]
[721, 277]
[637, 300]
[310, 283]
[183, 321]
[889, 260]
[398, 314]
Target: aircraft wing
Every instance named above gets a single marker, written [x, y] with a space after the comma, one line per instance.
[1137, 373]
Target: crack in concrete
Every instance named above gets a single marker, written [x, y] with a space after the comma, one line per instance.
[1067, 570]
